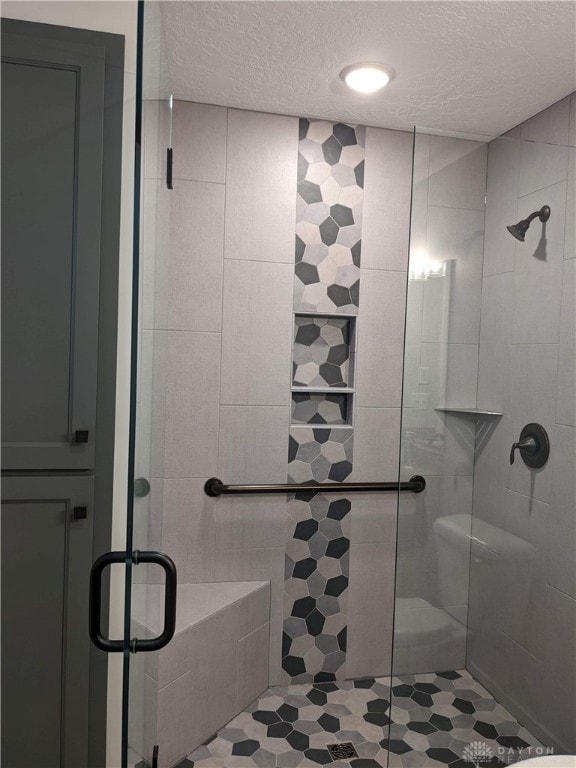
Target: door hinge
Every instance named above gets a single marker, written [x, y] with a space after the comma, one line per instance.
[155, 756]
[169, 161]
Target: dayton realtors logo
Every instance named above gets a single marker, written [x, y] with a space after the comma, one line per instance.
[480, 754]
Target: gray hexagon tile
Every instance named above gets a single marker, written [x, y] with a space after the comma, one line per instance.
[309, 408]
[317, 558]
[322, 352]
[329, 217]
[448, 719]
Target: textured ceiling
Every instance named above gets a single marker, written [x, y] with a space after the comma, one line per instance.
[478, 66]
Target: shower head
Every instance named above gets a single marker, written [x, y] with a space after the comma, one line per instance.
[519, 230]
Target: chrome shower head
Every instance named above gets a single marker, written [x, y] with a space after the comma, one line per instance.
[519, 230]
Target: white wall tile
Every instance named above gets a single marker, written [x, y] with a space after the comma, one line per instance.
[495, 340]
[538, 270]
[541, 165]
[570, 228]
[199, 141]
[256, 333]
[559, 694]
[256, 564]
[386, 212]
[370, 609]
[452, 374]
[376, 444]
[457, 235]
[249, 522]
[562, 532]
[154, 248]
[174, 720]
[457, 173]
[155, 138]
[188, 534]
[532, 398]
[214, 671]
[566, 390]
[196, 258]
[253, 444]
[253, 664]
[261, 186]
[373, 517]
[192, 386]
[501, 205]
[445, 444]
[551, 126]
[380, 339]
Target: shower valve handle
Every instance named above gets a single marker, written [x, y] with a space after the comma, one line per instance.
[528, 445]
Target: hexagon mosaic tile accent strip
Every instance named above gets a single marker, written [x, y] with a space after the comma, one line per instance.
[319, 454]
[317, 558]
[321, 356]
[445, 719]
[329, 216]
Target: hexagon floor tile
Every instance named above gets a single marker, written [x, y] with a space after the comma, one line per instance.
[438, 719]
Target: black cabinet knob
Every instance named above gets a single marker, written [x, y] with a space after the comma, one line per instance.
[80, 513]
[81, 436]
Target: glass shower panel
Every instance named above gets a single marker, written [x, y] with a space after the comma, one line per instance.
[148, 581]
[484, 628]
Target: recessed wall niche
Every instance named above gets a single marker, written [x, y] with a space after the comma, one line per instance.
[323, 370]
[323, 352]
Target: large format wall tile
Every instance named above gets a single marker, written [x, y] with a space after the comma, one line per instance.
[551, 126]
[188, 529]
[538, 269]
[256, 333]
[251, 448]
[194, 267]
[254, 565]
[199, 141]
[261, 186]
[192, 387]
[501, 205]
[379, 353]
[376, 444]
[457, 173]
[495, 340]
[370, 609]
[562, 532]
[570, 229]
[457, 235]
[387, 189]
[566, 392]
[329, 217]
[541, 165]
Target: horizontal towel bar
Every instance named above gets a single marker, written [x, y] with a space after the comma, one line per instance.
[215, 487]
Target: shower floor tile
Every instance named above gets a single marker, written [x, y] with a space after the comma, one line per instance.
[438, 719]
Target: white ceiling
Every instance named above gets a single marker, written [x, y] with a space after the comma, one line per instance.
[477, 66]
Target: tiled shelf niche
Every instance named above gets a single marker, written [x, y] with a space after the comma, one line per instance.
[323, 370]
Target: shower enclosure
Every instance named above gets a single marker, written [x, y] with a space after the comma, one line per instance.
[328, 303]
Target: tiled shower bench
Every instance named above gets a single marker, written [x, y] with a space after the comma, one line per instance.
[214, 667]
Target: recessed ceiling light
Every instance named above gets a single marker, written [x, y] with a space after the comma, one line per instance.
[366, 78]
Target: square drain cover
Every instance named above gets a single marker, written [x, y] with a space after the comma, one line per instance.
[343, 751]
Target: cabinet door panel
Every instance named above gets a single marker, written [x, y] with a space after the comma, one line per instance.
[52, 119]
[46, 556]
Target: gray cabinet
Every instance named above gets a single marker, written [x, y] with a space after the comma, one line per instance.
[52, 140]
[46, 535]
[61, 120]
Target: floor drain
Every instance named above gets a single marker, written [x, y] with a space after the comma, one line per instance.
[343, 751]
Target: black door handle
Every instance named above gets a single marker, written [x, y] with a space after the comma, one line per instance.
[136, 645]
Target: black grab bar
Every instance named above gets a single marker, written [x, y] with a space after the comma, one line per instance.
[215, 487]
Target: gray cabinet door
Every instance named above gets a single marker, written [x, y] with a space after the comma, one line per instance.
[46, 555]
[52, 138]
